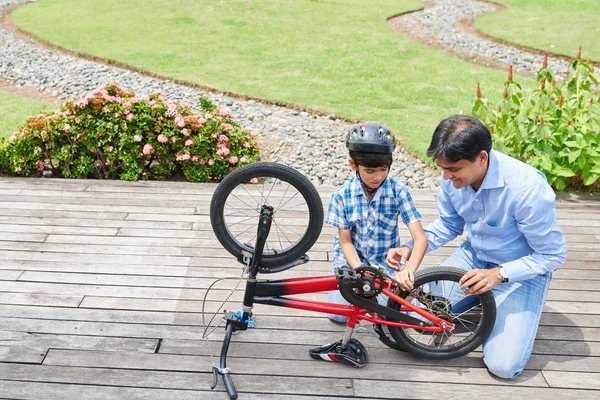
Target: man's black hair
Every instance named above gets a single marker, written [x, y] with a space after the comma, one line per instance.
[371, 160]
[460, 138]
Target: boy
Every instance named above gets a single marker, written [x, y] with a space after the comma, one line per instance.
[366, 209]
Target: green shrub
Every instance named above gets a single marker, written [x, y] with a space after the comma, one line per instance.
[555, 128]
[116, 134]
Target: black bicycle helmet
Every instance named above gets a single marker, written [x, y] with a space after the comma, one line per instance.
[370, 137]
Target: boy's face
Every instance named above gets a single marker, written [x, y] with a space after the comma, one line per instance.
[372, 177]
[464, 172]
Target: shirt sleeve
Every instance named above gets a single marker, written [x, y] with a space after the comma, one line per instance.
[336, 214]
[407, 208]
[446, 227]
[535, 213]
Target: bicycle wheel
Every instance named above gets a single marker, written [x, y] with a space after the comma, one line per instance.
[437, 290]
[297, 218]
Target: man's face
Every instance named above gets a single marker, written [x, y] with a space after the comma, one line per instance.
[464, 172]
[372, 177]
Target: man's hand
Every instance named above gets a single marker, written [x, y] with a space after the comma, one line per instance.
[480, 280]
[405, 278]
[397, 256]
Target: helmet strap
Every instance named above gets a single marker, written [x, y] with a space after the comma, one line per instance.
[367, 189]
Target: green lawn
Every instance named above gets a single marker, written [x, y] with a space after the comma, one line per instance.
[558, 26]
[14, 110]
[337, 56]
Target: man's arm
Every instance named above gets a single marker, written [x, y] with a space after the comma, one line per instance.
[535, 213]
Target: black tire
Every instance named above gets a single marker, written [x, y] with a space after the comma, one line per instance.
[265, 171]
[477, 325]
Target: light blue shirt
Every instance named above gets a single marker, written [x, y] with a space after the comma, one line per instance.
[510, 220]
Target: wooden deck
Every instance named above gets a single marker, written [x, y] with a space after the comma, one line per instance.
[101, 286]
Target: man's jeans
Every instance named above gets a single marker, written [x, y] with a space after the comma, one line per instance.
[519, 308]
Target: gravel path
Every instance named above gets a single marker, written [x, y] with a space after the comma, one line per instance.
[439, 25]
[309, 142]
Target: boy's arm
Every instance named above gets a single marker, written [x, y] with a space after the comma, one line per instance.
[348, 248]
[419, 246]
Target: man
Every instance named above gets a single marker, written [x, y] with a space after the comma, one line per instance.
[513, 242]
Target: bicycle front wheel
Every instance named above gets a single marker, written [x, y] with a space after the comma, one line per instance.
[297, 212]
[437, 291]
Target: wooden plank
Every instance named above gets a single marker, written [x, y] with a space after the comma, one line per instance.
[321, 386]
[563, 379]
[419, 391]
[15, 212]
[22, 237]
[38, 299]
[93, 208]
[128, 250]
[23, 342]
[68, 221]
[10, 275]
[9, 192]
[296, 368]
[59, 230]
[106, 258]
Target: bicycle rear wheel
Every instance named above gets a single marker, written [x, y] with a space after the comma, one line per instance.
[437, 290]
[297, 212]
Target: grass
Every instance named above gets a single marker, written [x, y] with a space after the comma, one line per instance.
[14, 110]
[337, 56]
[558, 26]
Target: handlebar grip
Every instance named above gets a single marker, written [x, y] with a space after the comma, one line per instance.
[230, 387]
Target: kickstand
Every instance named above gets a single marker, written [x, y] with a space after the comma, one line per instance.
[222, 369]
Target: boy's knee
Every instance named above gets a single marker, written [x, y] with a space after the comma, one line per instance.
[503, 368]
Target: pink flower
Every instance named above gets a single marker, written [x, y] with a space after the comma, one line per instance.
[189, 142]
[211, 162]
[137, 138]
[117, 114]
[228, 127]
[223, 138]
[163, 138]
[173, 139]
[18, 169]
[129, 117]
[246, 144]
[11, 138]
[67, 127]
[148, 149]
[225, 112]
[110, 148]
[195, 158]
[90, 116]
[232, 159]
[183, 157]
[185, 132]
[40, 165]
[243, 159]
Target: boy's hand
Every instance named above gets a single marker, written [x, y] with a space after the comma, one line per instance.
[397, 256]
[405, 278]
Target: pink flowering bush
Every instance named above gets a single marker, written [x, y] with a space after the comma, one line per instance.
[116, 134]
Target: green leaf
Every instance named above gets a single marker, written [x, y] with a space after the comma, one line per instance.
[560, 184]
[573, 155]
[562, 171]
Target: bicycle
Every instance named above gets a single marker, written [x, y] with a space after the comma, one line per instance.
[433, 320]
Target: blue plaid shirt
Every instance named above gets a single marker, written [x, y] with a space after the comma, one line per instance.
[374, 224]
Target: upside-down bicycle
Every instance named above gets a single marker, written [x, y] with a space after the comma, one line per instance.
[269, 215]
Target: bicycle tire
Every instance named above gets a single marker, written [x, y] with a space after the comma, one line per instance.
[267, 170]
[488, 311]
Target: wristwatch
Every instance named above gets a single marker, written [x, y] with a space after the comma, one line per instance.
[503, 274]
